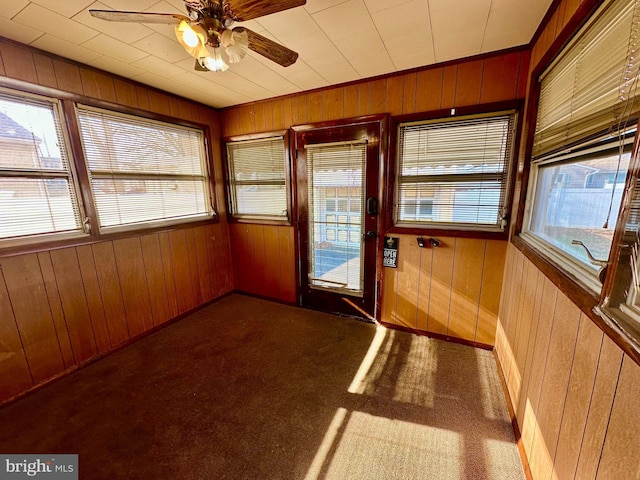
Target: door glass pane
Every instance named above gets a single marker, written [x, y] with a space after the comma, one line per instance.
[336, 198]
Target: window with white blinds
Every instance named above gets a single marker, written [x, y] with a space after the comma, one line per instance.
[453, 173]
[590, 87]
[257, 178]
[584, 132]
[37, 188]
[144, 171]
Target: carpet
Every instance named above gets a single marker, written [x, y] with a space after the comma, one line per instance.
[251, 389]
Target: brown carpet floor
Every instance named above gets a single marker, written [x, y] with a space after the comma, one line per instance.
[250, 389]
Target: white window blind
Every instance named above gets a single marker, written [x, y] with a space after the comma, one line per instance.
[590, 87]
[143, 171]
[37, 191]
[257, 178]
[336, 185]
[454, 173]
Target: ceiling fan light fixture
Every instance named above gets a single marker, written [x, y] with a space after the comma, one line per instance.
[191, 37]
[214, 61]
[236, 43]
[209, 21]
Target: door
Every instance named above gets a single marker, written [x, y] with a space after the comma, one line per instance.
[338, 198]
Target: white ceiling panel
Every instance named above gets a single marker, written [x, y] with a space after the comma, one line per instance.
[162, 47]
[68, 8]
[18, 32]
[304, 77]
[508, 21]
[458, 27]
[45, 20]
[338, 72]
[241, 84]
[204, 89]
[288, 25]
[11, 8]
[65, 49]
[252, 68]
[129, 5]
[378, 5]
[337, 41]
[314, 6]
[158, 66]
[115, 49]
[347, 19]
[407, 37]
[116, 66]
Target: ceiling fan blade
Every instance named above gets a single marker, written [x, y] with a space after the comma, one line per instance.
[140, 17]
[269, 49]
[243, 10]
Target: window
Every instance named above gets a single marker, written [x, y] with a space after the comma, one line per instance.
[454, 173]
[37, 189]
[582, 145]
[144, 172]
[257, 179]
[578, 198]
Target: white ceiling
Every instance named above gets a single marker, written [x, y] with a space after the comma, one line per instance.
[338, 41]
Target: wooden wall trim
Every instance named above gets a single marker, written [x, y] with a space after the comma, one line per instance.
[438, 336]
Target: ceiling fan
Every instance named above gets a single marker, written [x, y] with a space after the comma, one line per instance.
[206, 32]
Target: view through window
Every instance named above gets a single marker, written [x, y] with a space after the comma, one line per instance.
[37, 188]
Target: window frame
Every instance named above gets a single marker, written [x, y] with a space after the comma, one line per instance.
[253, 218]
[71, 174]
[70, 128]
[589, 302]
[586, 276]
[391, 187]
[159, 223]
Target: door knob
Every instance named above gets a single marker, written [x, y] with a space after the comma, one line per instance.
[371, 234]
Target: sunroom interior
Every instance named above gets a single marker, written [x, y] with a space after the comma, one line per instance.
[307, 190]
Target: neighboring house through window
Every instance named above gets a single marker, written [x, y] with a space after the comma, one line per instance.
[37, 188]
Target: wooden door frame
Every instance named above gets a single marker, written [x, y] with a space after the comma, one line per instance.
[381, 122]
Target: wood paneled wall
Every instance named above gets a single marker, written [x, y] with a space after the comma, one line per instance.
[264, 260]
[61, 308]
[574, 392]
[458, 307]
[451, 290]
